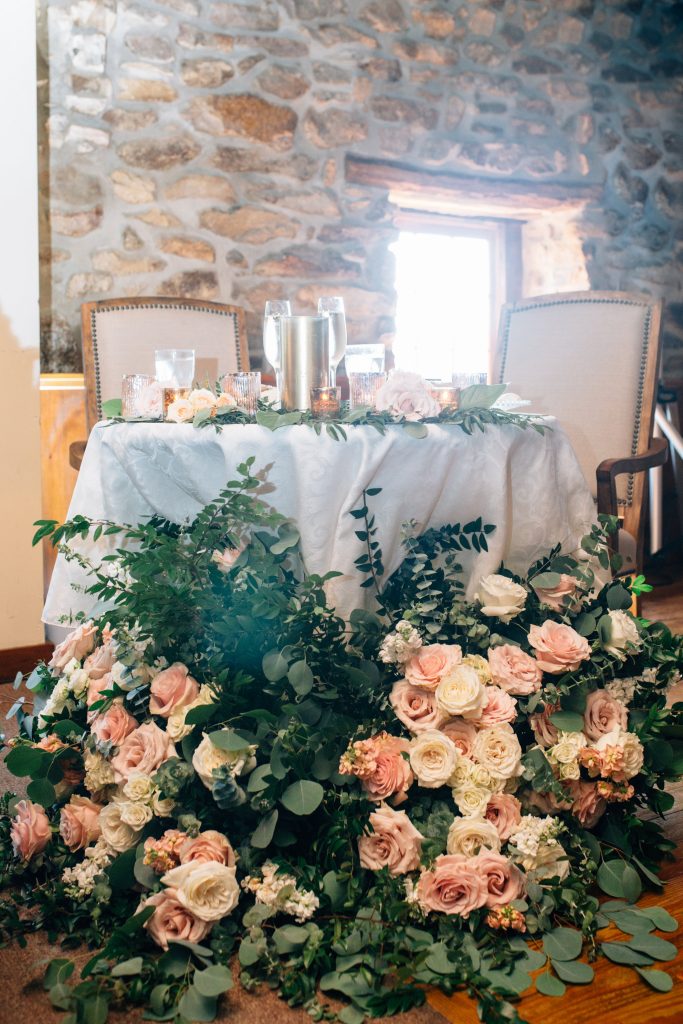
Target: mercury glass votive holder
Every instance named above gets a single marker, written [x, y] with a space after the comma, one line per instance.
[447, 395]
[466, 380]
[325, 402]
[363, 388]
[171, 395]
[140, 397]
[245, 388]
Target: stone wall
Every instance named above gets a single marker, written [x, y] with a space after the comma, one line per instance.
[196, 147]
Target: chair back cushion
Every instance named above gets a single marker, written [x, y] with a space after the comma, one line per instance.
[120, 336]
[589, 359]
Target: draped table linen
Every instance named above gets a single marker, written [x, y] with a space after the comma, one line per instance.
[529, 485]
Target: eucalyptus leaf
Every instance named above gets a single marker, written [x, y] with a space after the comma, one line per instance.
[264, 831]
[274, 666]
[548, 985]
[661, 918]
[658, 980]
[567, 721]
[563, 944]
[302, 797]
[418, 430]
[213, 981]
[576, 972]
[617, 878]
[654, 946]
[127, 968]
[621, 953]
[196, 1007]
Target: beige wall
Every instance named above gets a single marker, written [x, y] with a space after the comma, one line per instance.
[20, 499]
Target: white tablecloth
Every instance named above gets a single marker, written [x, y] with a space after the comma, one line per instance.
[529, 485]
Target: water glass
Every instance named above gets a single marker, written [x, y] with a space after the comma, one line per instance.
[332, 306]
[141, 397]
[245, 388]
[363, 388]
[272, 348]
[365, 359]
[174, 367]
[466, 380]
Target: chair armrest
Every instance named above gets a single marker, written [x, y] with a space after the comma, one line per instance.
[76, 453]
[610, 469]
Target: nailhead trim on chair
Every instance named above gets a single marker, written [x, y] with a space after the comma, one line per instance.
[643, 360]
[151, 305]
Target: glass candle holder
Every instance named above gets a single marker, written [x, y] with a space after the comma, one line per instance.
[141, 397]
[173, 394]
[466, 380]
[363, 388]
[325, 402]
[245, 388]
[174, 367]
[447, 395]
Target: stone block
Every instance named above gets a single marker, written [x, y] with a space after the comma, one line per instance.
[334, 127]
[248, 160]
[284, 82]
[80, 285]
[315, 202]
[77, 224]
[129, 120]
[535, 65]
[206, 74]
[642, 156]
[325, 71]
[160, 154]
[481, 22]
[144, 90]
[150, 47]
[190, 7]
[486, 54]
[306, 10]
[491, 156]
[88, 51]
[133, 188]
[111, 262]
[201, 186]
[158, 218]
[90, 85]
[340, 34]
[429, 53]
[97, 15]
[192, 38]
[249, 224]
[73, 184]
[381, 69]
[390, 108]
[275, 45]
[308, 262]
[85, 137]
[245, 115]
[630, 188]
[262, 17]
[384, 16]
[131, 240]
[437, 24]
[192, 284]
[188, 248]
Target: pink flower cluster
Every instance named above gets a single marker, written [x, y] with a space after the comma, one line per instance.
[459, 885]
[380, 765]
[176, 847]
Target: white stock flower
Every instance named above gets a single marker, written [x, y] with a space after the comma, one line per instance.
[460, 692]
[208, 889]
[116, 833]
[498, 750]
[622, 635]
[400, 645]
[139, 787]
[98, 772]
[208, 757]
[500, 597]
[622, 689]
[468, 835]
[433, 758]
[135, 814]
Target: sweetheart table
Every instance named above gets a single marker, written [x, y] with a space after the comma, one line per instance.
[528, 484]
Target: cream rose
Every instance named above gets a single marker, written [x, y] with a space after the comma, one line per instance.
[208, 757]
[621, 635]
[499, 707]
[460, 692]
[394, 843]
[559, 597]
[172, 920]
[514, 670]
[225, 401]
[499, 751]
[559, 648]
[180, 411]
[202, 398]
[504, 811]
[405, 395]
[207, 889]
[76, 645]
[172, 689]
[432, 758]
[453, 886]
[142, 751]
[79, 823]
[603, 713]
[416, 707]
[500, 597]
[30, 832]
[139, 787]
[176, 726]
[469, 835]
[135, 814]
[504, 881]
[207, 846]
[113, 725]
[431, 663]
[462, 733]
[471, 799]
[115, 832]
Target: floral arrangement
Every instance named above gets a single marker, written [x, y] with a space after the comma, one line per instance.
[223, 774]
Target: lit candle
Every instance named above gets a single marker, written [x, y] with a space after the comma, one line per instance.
[447, 396]
[171, 395]
[325, 402]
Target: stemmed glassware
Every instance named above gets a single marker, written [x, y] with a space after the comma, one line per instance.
[333, 307]
[272, 348]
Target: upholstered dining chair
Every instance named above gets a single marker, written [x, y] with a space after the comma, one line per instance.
[591, 359]
[119, 337]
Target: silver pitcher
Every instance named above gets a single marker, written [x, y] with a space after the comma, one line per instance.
[305, 358]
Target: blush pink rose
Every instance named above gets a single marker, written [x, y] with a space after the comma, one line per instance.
[171, 920]
[79, 824]
[113, 725]
[588, 806]
[503, 879]
[394, 843]
[100, 662]
[143, 750]
[559, 648]
[76, 645]
[96, 688]
[209, 845]
[462, 733]
[545, 732]
[546, 803]
[30, 832]
[415, 706]
[455, 885]
[603, 713]
[431, 663]
[499, 707]
[172, 689]
[560, 597]
[504, 811]
[514, 670]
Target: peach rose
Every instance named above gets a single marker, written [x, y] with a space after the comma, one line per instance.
[415, 706]
[30, 832]
[453, 886]
[392, 776]
[143, 750]
[514, 670]
[503, 880]
[545, 732]
[76, 645]
[79, 825]
[209, 845]
[113, 725]
[559, 648]
[603, 713]
[51, 743]
[96, 688]
[588, 806]
[560, 597]
[499, 707]
[428, 667]
[546, 803]
[394, 843]
[172, 689]
[504, 811]
[100, 661]
[462, 733]
[171, 920]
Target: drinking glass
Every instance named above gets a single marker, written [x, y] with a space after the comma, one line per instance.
[332, 306]
[245, 388]
[174, 367]
[272, 349]
[365, 359]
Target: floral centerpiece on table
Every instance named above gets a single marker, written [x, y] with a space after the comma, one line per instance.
[225, 775]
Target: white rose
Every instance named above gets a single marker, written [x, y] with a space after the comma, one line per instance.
[571, 770]
[632, 754]
[115, 832]
[433, 758]
[208, 756]
[462, 772]
[550, 861]
[460, 692]
[471, 799]
[180, 411]
[208, 889]
[622, 635]
[500, 597]
[225, 401]
[406, 396]
[175, 723]
[567, 748]
[78, 684]
[135, 814]
[498, 750]
[163, 808]
[139, 787]
[202, 398]
[468, 835]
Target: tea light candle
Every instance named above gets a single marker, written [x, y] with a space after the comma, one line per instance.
[325, 402]
[447, 396]
[172, 394]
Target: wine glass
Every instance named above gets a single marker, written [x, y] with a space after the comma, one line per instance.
[333, 307]
[275, 308]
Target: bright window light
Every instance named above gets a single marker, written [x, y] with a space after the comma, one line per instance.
[443, 314]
